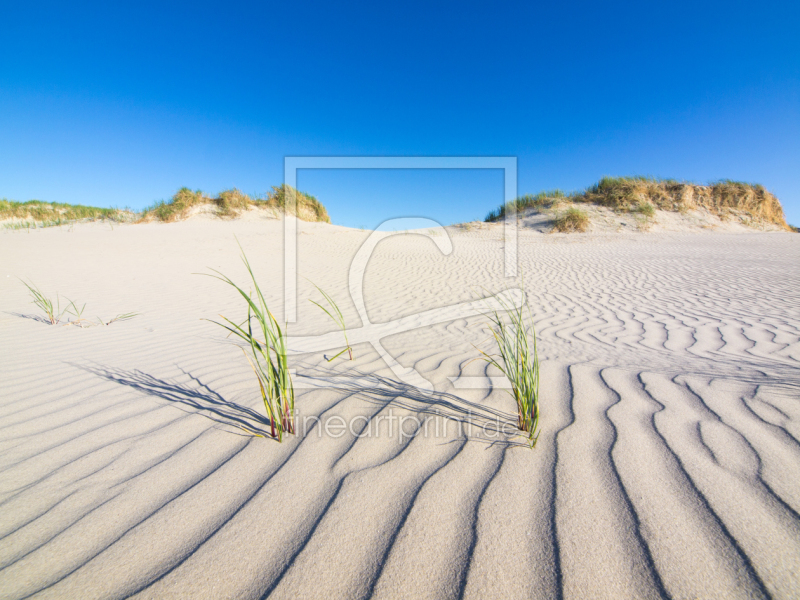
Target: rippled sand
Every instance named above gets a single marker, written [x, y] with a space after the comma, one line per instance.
[668, 464]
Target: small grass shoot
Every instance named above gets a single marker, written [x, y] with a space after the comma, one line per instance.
[337, 317]
[55, 315]
[122, 317]
[45, 304]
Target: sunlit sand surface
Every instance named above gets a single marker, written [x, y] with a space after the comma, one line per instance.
[668, 463]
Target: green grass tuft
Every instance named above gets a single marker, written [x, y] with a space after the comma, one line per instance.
[45, 304]
[269, 361]
[54, 313]
[545, 199]
[645, 209]
[518, 360]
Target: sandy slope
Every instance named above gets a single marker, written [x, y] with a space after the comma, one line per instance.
[668, 465]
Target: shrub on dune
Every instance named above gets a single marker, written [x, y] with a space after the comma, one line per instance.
[307, 207]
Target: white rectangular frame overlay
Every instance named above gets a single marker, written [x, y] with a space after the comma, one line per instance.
[292, 163]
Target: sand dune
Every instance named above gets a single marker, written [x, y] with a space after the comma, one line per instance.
[668, 464]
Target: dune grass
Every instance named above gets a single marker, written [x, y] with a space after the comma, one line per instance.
[546, 199]
[269, 361]
[645, 195]
[52, 311]
[121, 317]
[308, 207]
[55, 314]
[27, 225]
[571, 220]
[335, 314]
[518, 360]
[227, 204]
[645, 209]
[230, 203]
[36, 213]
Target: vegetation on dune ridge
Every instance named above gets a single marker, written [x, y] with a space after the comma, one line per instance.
[645, 194]
[230, 203]
[574, 219]
[226, 204]
[54, 213]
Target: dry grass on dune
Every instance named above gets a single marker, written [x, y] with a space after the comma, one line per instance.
[226, 204]
[645, 194]
[230, 203]
[572, 220]
[54, 213]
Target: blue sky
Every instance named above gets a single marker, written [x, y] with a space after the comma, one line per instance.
[120, 104]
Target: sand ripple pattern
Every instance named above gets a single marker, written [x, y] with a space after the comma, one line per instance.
[668, 465]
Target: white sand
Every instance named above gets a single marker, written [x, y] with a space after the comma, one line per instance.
[668, 463]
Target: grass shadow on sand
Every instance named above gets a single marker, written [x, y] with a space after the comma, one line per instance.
[477, 422]
[36, 318]
[196, 395]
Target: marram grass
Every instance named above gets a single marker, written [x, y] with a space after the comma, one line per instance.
[53, 312]
[634, 194]
[573, 219]
[55, 315]
[231, 203]
[518, 360]
[335, 314]
[267, 356]
[48, 214]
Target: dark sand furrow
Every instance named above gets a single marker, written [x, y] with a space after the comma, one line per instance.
[35, 500]
[602, 554]
[123, 511]
[40, 467]
[183, 524]
[765, 528]
[442, 513]
[310, 483]
[101, 423]
[777, 453]
[361, 523]
[42, 418]
[10, 522]
[783, 426]
[516, 525]
[658, 492]
[681, 533]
